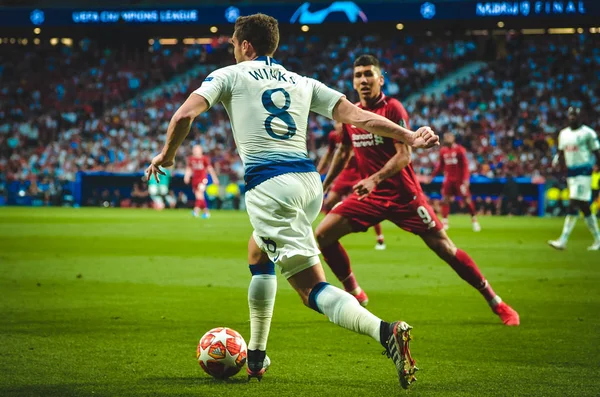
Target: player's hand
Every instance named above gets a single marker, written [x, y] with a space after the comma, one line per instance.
[154, 169]
[364, 188]
[186, 179]
[425, 138]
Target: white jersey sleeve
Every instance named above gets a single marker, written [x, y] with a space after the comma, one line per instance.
[593, 140]
[217, 86]
[324, 99]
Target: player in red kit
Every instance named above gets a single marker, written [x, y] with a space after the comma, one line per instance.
[453, 162]
[389, 191]
[344, 183]
[197, 170]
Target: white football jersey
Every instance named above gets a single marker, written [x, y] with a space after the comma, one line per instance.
[579, 145]
[268, 107]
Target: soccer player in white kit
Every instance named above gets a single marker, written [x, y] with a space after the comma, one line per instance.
[269, 107]
[577, 145]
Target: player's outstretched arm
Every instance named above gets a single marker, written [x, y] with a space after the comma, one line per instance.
[340, 159]
[178, 129]
[347, 113]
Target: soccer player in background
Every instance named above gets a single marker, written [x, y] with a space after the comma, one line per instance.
[577, 146]
[453, 162]
[345, 182]
[389, 191]
[197, 170]
[269, 107]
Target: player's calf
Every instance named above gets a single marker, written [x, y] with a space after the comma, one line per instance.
[468, 270]
[342, 309]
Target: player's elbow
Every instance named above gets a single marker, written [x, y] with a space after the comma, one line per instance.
[183, 117]
[348, 113]
[403, 161]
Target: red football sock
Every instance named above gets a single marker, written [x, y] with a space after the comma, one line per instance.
[467, 269]
[336, 257]
[445, 211]
[471, 207]
[200, 203]
[378, 233]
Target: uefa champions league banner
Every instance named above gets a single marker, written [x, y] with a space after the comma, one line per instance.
[305, 13]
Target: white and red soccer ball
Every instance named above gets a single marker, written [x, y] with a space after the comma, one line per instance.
[222, 352]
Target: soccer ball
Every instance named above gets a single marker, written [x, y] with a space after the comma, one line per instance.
[222, 352]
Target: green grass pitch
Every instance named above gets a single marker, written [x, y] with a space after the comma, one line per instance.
[103, 302]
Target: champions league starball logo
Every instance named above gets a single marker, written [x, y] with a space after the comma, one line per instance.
[37, 17]
[232, 13]
[428, 10]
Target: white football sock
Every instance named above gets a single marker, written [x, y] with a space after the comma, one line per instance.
[261, 299]
[592, 224]
[570, 221]
[344, 310]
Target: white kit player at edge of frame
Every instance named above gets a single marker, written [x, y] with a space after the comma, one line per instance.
[577, 146]
[268, 107]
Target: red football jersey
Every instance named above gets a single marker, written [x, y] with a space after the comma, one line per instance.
[453, 161]
[199, 166]
[372, 152]
[334, 139]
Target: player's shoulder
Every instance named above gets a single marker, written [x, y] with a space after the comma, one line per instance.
[225, 71]
[589, 129]
[565, 130]
[395, 104]
[395, 109]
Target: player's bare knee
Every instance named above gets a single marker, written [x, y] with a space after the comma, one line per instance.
[255, 255]
[441, 244]
[322, 234]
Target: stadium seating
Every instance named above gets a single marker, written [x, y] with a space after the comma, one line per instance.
[87, 108]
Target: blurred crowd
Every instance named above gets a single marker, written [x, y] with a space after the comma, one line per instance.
[508, 115]
[82, 108]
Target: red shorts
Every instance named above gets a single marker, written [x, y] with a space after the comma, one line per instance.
[455, 188]
[416, 216]
[344, 183]
[198, 182]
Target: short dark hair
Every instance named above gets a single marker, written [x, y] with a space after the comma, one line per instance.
[367, 60]
[260, 30]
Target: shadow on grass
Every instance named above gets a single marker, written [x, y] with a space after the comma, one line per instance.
[196, 380]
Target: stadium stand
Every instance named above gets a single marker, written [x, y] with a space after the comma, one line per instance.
[87, 108]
